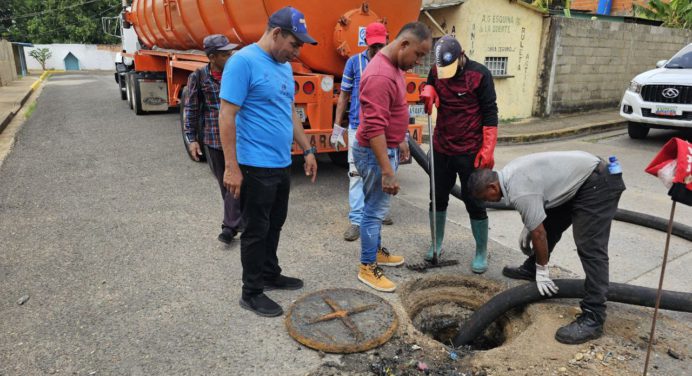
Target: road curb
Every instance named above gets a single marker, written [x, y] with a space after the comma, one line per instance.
[23, 100]
[562, 133]
[582, 130]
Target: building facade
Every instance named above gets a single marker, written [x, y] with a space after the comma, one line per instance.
[503, 35]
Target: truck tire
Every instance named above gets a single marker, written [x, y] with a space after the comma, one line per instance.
[128, 89]
[136, 96]
[122, 86]
[339, 158]
[637, 131]
[183, 98]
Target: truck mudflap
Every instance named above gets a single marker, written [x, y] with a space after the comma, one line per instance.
[320, 139]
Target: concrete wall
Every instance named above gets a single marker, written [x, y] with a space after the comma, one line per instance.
[588, 64]
[8, 70]
[91, 57]
[499, 28]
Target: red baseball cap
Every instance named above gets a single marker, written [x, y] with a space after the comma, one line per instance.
[376, 33]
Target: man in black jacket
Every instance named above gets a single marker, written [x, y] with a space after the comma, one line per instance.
[464, 137]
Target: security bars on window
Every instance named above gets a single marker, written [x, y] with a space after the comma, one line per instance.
[497, 65]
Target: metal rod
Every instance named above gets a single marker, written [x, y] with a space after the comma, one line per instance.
[660, 287]
[433, 209]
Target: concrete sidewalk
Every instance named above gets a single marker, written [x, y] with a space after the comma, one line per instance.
[552, 128]
[13, 96]
[557, 127]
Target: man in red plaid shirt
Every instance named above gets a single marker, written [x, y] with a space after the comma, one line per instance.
[202, 106]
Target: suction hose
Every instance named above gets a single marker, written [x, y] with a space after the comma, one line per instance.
[622, 215]
[569, 289]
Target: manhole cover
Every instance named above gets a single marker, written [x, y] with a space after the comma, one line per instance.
[341, 320]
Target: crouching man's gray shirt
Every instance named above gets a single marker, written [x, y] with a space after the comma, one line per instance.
[540, 181]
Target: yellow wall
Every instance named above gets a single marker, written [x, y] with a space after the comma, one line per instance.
[498, 28]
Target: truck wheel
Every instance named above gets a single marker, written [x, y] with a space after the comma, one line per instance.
[637, 130]
[136, 96]
[183, 98]
[128, 89]
[122, 86]
[339, 158]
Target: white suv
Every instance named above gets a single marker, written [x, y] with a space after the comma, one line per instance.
[660, 98]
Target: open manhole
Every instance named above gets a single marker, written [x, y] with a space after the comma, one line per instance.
[439, 305]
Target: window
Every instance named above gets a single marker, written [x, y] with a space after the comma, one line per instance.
[497, 65]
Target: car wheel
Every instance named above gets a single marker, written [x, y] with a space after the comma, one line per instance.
[637, 130]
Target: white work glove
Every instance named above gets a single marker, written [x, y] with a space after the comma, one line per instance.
[525, 242]
[546, 286]
[337, 137]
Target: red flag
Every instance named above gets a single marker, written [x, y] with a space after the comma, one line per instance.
[680, 151]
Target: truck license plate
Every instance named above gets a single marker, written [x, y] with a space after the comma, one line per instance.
[666, 111]
[301, 114]
[416, 110]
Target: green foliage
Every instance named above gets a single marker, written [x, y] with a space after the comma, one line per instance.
[56, 21]
[30, 110]
[675, 14]
[41, 55]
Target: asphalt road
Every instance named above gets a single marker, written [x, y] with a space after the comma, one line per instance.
[111, 231]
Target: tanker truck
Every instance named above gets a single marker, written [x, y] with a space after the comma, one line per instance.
[162, 45]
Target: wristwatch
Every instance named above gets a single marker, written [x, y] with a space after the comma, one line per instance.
[312, 150]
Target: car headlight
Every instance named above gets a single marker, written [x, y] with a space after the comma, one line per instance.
[635, 87]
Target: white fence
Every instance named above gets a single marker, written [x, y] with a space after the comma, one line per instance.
[90, 56]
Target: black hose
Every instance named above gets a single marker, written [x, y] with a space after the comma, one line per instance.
[622, 215]
[569, 289]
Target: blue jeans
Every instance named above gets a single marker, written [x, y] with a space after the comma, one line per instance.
[376, 202]
[355, 184]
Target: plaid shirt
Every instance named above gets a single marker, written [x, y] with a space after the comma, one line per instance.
[203, 86]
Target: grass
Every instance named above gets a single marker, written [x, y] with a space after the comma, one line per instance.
[509, 120]
[30, 110]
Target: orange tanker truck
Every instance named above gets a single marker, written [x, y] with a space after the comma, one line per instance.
[162, 43]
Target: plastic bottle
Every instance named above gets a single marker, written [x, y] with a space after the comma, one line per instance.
[614, 166]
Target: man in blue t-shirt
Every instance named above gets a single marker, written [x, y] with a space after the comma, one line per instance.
[375, 38]
[258, 123]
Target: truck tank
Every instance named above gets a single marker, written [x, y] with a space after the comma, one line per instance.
[337, 25]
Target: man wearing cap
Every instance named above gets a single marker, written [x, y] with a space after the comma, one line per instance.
[381, 143]
[553, 191]
[258, 124]
[464, 138]
[376, 38]
[202, 106]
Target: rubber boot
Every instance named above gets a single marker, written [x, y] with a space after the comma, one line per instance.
[479, 228]
[441, 219]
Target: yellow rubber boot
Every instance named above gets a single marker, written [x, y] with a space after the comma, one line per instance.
[385, 258]
[373, 276]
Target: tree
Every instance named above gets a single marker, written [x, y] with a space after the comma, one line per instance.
[675, 14]
[57, 21]
[41, 55]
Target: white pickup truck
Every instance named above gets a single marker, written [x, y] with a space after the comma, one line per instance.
[660, 98]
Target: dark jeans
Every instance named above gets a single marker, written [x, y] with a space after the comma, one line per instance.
[590, 212]
[264, 200]
[446, 170]
[232, 217]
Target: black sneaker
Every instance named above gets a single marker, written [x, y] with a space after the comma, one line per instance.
[520, 272]
[585, 328]
[227, 234]
[283, 283]
[388, 221]
[262, 305]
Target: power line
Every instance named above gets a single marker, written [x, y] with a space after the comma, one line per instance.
[48, 11]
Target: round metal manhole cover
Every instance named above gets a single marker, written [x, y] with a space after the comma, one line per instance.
[341, 320]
